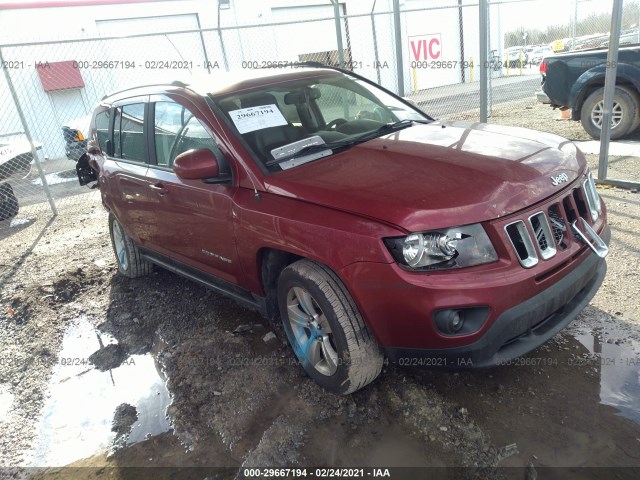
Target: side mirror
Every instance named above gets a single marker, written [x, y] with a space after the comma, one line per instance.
[196, 164]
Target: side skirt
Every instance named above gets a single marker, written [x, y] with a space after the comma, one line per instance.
[216, 284]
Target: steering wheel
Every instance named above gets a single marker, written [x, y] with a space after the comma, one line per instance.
[334, 124]
[381, 114]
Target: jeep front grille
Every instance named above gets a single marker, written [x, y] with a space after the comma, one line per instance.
[548, 231]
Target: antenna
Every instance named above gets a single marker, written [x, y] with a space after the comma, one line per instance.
[256, 194]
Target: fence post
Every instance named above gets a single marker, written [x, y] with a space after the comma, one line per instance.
[375, 42]
[398, 40]
[609, 88]
[484, 47]
[336, 14]
[27, 132]
[204, 46]
[224, 53]
[461, 30]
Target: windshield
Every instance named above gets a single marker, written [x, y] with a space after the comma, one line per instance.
[313, 118]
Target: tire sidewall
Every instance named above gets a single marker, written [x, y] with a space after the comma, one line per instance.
[338, 382]
[113, 224]
[628, 115]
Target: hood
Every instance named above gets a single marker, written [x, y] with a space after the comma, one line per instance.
[437, 175]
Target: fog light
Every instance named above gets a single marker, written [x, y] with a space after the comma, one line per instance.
[456, 320]
[453, 321]
[460, 321]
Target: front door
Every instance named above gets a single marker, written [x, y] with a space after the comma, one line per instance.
[194, 222]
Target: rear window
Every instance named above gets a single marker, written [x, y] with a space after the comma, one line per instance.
[128, 132]
[102, 128]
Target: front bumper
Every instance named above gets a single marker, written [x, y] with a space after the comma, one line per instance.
[523, 327]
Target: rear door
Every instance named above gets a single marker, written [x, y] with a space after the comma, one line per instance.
[134, 200]
[195, 226]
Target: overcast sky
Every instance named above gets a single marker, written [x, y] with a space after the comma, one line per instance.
[540, 13]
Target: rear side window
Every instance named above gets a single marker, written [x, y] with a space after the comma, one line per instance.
[128, 135]
[102, 128]
[176, 131]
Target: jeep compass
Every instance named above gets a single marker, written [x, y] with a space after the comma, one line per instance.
[369, 229]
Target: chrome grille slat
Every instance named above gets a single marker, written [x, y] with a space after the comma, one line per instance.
[522, 244]
[593, 199]
[546, 242]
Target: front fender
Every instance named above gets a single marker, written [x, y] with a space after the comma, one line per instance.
[331, 237]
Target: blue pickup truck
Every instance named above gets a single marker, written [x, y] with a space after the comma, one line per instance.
[575, 80]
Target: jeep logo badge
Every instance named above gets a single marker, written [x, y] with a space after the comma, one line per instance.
[563, 177]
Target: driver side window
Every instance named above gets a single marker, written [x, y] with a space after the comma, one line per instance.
[338, 103]
[176, 131]
[169, 119]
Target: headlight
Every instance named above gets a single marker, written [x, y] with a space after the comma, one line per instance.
[449, 248]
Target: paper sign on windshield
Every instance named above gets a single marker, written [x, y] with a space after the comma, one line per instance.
[257, 118]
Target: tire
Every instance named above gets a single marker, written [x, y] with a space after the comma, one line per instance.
[636, 96]
[8, 202]
[333, 344]
[130, 261]
[625, 112]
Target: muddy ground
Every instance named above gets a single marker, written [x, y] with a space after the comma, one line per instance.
[101, 371]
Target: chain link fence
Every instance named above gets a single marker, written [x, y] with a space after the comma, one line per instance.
[426, 50]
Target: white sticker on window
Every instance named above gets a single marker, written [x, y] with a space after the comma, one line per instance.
[257, 118]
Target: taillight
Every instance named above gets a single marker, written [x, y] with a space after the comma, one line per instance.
[543, 66]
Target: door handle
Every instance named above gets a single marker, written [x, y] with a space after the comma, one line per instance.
[159, 188]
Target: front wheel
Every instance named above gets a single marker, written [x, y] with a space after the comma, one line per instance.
[325, 328]
[130, 261]
[624, 115]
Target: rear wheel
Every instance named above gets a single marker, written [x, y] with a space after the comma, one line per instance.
[624, 115]
[130, 262]
[8, 202]
[325, 329]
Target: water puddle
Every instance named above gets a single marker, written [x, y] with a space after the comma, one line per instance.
[574, 402]
[619, 369]
[78, 415]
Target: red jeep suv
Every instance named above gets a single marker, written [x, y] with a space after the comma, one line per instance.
[369, 229]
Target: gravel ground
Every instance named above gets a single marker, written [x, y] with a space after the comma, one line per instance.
[227, 409]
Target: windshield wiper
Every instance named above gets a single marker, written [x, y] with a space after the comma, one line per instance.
[342, 144]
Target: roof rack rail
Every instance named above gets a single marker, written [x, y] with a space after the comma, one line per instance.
[313, 63]
[175, 83]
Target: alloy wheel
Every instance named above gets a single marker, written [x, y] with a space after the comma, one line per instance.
[597, 114]
[118, 243]
[314, 340]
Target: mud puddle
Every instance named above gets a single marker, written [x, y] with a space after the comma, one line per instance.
[574, 402]
[98, 397]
